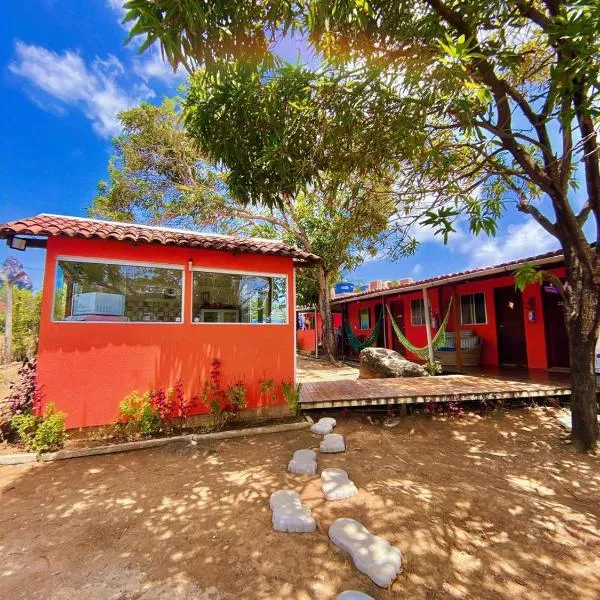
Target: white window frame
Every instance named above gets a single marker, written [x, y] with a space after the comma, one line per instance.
[125, 263]
[412, 315]
[238, 272]
[368, 309]
[472, 295]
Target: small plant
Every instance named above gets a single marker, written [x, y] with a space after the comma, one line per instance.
[137, 416]
[291, 393]
[434, 368]
[236, 397]
[223, 405]
[182, 405]
[51, 432]
[25, 393]
[45, 433]
[267, 390]
[25, 424]
[161, 403]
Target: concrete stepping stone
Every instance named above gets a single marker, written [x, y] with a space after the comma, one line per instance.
[354, 595]
[337, 485]
[323, 425]
[303, 462]
[372, 555]
[333, 442]
[289, 514]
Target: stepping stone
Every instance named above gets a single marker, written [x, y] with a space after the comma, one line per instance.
[337, 485]
[304, 462]
[323, 426]
[372, 555]
[289, 514]
[354, 595]
[333, 442]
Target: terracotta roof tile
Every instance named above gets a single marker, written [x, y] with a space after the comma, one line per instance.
[62, 226]
[480, 272]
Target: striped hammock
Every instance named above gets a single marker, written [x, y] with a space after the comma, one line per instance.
[355, 342]
[438, 340]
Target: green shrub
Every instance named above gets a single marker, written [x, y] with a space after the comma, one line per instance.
[137, 416]
[150, 422]
[291, 393]
[41, 434]
[51, 432]
[236, 396]
[25, 425]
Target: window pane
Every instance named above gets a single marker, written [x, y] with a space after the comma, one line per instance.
[479, 302]
[365, 318]
[465, 310]
[87, 291]
[236, 298]
[417, 312]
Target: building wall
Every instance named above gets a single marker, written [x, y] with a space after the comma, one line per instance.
[439, 298]
[305, 338]
[85, 369]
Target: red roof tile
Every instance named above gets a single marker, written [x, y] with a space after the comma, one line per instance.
[61, 226]
[473, 273]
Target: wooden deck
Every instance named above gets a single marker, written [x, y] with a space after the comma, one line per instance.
[445, 388]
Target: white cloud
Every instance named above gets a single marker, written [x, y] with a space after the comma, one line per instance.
[152, 66]
[65, 77]
[417, 269]
[518, 241]
[117, 5]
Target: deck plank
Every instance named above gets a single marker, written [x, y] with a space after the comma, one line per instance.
[371, 392]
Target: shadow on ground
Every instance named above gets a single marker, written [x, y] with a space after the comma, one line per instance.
[482, 507]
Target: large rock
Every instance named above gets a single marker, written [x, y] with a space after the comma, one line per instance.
[378, 363]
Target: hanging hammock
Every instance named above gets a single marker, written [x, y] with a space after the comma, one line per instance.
[438, 341]
[355, 342]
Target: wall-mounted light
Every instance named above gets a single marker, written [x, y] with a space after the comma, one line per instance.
[17, 243]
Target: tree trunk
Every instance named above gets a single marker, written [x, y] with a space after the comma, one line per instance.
[582, 308]
[325, 312]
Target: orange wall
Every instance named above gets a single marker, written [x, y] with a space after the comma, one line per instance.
[85, 369]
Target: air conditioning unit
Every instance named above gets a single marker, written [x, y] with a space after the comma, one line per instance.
[98, 303]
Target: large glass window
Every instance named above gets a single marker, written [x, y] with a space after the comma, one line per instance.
[237, 298]
[472, 309]
[94, 291]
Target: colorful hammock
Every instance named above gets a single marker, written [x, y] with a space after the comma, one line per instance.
[355, 342]
[438, 340]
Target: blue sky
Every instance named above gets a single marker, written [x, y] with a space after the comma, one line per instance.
[65, 74]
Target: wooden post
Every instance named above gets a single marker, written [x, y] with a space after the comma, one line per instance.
[457, 340]
[383, 323]
[8, 323]
[428, 325]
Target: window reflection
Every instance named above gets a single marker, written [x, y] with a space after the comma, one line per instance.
[237, 298]
[93, 291]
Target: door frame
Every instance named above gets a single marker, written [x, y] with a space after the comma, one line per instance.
[501, 363]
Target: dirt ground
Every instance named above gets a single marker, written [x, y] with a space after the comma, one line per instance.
[493, 506]
[8, 374]
[310, 369]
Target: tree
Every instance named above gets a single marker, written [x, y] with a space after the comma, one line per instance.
[157, 175]
[503, 98]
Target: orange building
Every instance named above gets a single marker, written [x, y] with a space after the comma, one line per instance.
[509, 327]
[128, 307]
